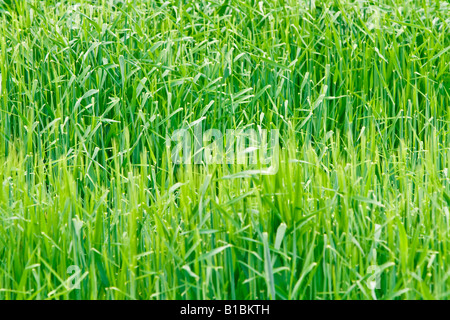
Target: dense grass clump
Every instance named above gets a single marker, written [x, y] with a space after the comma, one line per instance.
[93, 207]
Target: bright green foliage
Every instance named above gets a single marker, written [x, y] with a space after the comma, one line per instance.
[359, 90]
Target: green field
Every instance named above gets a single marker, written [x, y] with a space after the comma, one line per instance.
[93, 205]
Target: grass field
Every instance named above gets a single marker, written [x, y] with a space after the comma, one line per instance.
[93, 205]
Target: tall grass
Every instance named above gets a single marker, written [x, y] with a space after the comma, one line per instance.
[90, 90]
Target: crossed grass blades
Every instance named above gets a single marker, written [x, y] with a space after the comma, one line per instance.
[358, 89]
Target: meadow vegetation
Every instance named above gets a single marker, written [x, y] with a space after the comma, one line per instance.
[93, 207]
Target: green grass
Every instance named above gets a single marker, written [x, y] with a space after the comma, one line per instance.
[90, 90]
